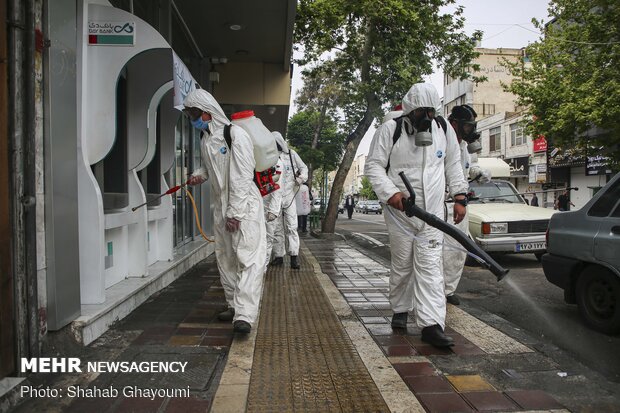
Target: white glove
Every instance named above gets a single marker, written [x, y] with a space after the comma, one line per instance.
[271, 216]
[480, 175]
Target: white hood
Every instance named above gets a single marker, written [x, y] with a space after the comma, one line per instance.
[280, 140]
[204, 101]
[421, 95]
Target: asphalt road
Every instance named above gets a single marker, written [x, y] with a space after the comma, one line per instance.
[525, 298]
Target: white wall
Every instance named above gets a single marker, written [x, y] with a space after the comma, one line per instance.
[585, 184]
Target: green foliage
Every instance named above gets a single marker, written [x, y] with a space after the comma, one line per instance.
[573, 81]
[366, 190]
[381, 47]
[301, 128]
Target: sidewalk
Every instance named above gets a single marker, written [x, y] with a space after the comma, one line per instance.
[323, 343]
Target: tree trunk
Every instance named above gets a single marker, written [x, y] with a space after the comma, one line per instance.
[329, 222]
[315, 137]
[354, 139]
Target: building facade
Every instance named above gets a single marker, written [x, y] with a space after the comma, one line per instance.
[90, 128]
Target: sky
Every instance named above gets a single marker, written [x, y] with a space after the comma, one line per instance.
[505, 23]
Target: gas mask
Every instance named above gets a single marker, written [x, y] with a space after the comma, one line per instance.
[470, 135]
[422, 124]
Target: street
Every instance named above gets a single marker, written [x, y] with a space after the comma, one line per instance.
[524, 298]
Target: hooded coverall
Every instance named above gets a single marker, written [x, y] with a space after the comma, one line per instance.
[273, 209]
[453, 255]
[241, 254]
[288, 224]
[416, 279]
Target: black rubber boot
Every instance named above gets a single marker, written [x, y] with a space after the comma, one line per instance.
[453, 299]
[277, 261]
[242, 327]
[399, 320]
[435, 336]
[226, 315]
[294, 262]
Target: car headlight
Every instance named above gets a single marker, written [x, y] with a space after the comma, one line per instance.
[494, 227]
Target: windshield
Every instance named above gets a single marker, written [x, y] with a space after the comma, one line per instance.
[494, 192]
[373, 202]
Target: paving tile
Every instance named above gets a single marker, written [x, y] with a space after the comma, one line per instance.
[382, 330]
[188, 405]
[184, 340]
[429, 384]
[534, 399]
[490, 401]
[219, 332]
[415, 369]
[428, 350]
[444, 403]
[139, 405]
[470, 383]
[87, 404]
[368, 313]
[190, 331]
[146, 339]
[374, 320]
[216, 341]
[399, 350]
[390, 340]
[467, 350]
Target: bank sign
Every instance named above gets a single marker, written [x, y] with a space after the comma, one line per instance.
[111, 33]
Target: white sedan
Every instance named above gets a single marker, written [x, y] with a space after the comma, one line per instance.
[501, 221]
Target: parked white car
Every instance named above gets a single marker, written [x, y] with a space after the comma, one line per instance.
[501, 221]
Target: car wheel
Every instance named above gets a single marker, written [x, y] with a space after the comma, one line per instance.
[539, 255]
[598, 299]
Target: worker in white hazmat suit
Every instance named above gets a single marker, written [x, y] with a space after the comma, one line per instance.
[273, 211]
[295, 173]
[430, 160]
[239, 222]
[463, 121]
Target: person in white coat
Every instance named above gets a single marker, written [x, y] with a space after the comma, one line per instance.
[295, 173]
[239, 221]
[463, 120]
[416, 279]
[273, 211]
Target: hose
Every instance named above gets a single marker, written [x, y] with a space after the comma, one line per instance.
[196, 216]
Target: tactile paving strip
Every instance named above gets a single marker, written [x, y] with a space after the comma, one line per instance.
[304, 360]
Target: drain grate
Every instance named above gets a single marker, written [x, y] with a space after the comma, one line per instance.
[304, 360]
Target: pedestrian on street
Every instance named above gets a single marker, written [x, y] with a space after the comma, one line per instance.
[303, 201]
[295, 173]
[239, 223]
[349, 205]
[563, 202]
[534, 201]
[431, 160]
[462, 120]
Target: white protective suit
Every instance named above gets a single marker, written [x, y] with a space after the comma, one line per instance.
[416, 279]
[273, 208]
[288, 223]
[453, 255]
[240, 255]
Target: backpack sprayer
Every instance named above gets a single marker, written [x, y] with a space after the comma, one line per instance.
[412, 210]
[191, 198]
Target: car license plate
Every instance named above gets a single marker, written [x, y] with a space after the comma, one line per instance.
[530, 246]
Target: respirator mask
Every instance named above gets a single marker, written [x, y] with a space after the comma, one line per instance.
[422, 121]
[470, 135]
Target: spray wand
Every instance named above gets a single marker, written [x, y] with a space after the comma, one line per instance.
[168, 192]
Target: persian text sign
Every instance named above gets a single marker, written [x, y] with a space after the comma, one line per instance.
[111, 33]
[540, 144]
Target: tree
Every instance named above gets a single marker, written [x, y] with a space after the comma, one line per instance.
[572, 83]
[316, 139]
[376, 50]
[366, 190]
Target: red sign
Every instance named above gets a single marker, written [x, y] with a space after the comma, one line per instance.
[540, 144]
